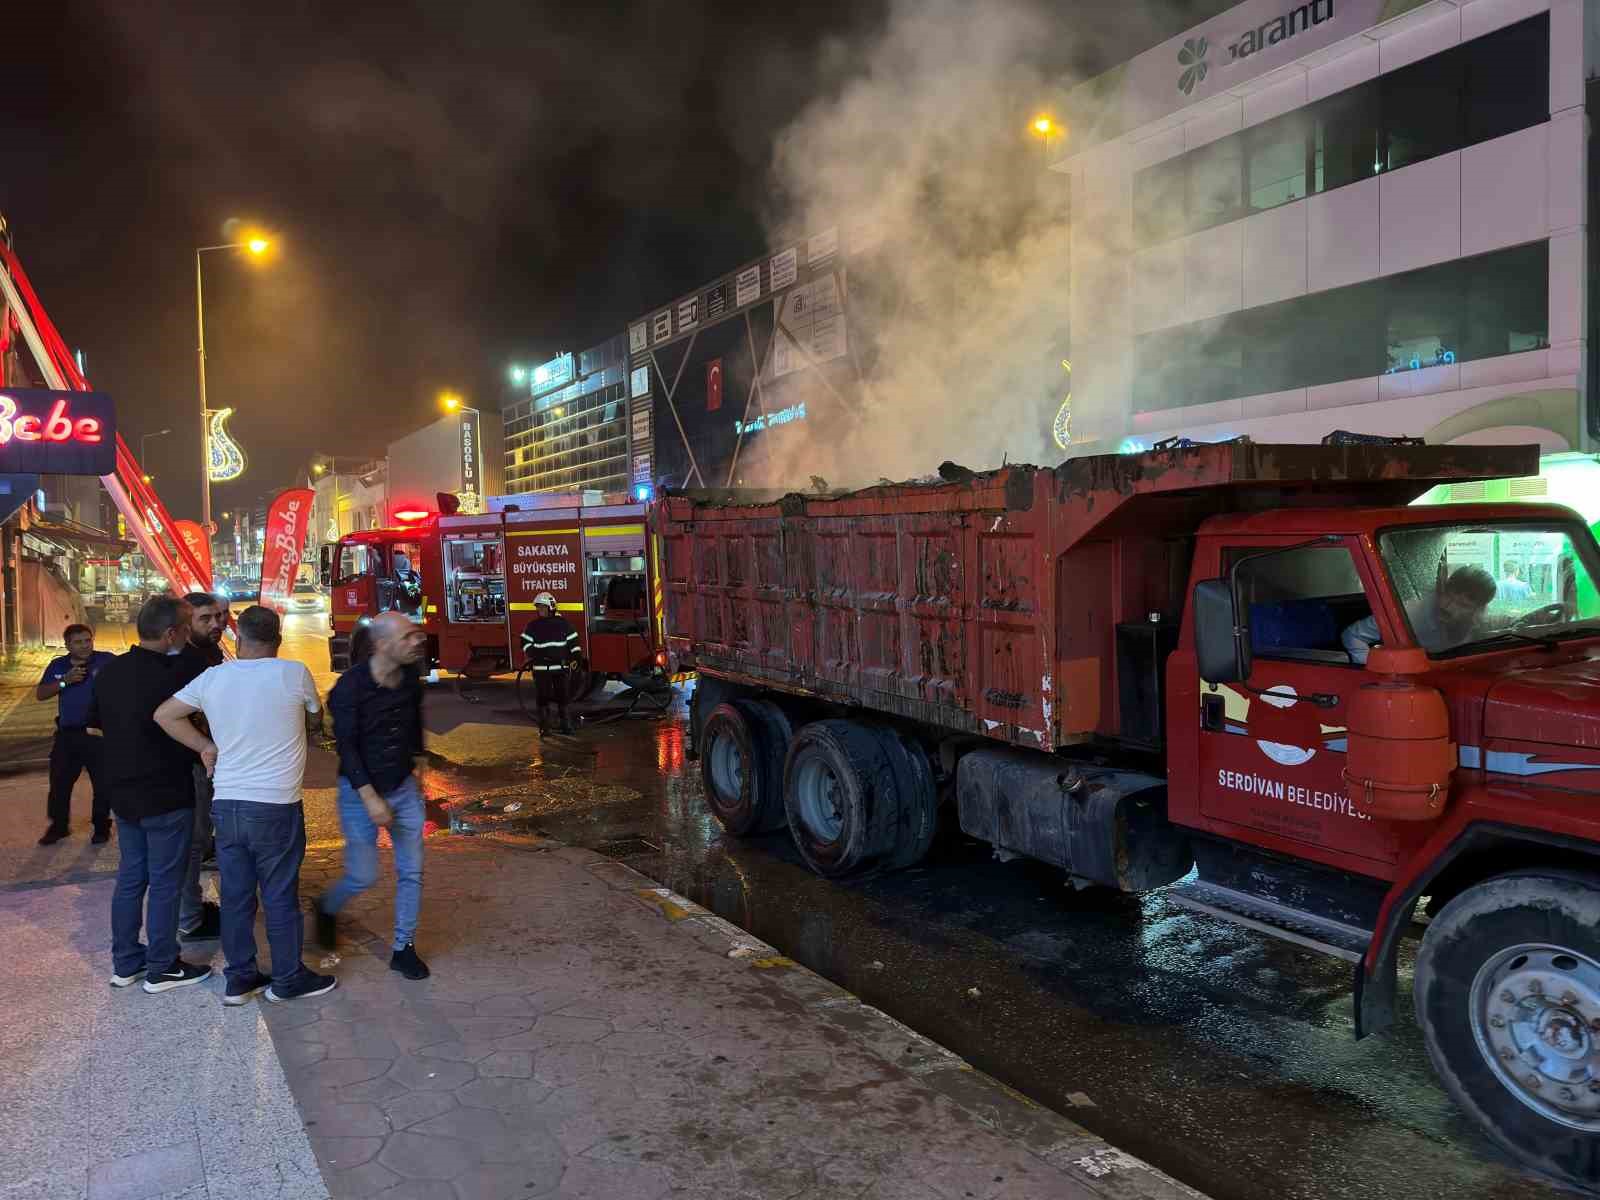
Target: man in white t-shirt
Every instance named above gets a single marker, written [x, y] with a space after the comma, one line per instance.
[260, 709]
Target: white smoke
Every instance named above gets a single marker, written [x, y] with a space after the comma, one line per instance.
[927, 144]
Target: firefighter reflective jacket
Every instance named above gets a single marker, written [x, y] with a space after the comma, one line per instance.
[550, 643]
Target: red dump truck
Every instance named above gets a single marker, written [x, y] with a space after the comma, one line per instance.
[1252, 671]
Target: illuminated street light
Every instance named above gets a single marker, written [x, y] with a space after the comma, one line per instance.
[147, 477]
[1043, 126]
[317, 468]
[229, 463]
[450, 401]
[519, 374]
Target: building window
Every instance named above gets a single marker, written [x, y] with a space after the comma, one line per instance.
[1215, 180]
[1507, 303]
[1475, 308]
[1491, 86]
[1276, 162]
[1421, 106]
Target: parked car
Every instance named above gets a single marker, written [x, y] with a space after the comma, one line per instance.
[307, 597]
[238, 588]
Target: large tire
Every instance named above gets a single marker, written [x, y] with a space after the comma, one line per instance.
[1508, 997]
[740, 770]
[917, 818]
[841, 798]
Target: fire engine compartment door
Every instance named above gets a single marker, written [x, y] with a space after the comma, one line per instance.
[1271, 756]
[474, 578]
[544, 553]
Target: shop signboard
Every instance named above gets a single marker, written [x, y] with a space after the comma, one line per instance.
[46, 432]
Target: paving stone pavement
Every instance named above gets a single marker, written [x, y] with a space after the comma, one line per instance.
[587, 1035]
[116, 1095]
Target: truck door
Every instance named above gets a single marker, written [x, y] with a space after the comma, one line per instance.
[1272, 747]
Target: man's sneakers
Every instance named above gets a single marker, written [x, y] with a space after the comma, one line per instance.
[56, 833]
[210, 927]
[122, 981]
[102, 835]
[179, 974]
[307, 983]
[240, 990]
[408, 964]
[327, 926]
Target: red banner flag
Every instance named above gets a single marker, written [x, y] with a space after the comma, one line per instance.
[714, 385]
[288, 522]
[199, 546]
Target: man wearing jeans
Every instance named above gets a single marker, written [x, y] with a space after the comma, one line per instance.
[377, 719]
[151, 790]
[70, 680]
[198, 919]
[259, 709]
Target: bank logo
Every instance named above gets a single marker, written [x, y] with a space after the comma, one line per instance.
[1192, 58]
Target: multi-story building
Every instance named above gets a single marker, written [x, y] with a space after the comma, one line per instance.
[740, 381]
[1368, 215]
[569, 431]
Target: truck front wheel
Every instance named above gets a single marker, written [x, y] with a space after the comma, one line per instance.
[741, 768]
[841, 798]
[1508, 997]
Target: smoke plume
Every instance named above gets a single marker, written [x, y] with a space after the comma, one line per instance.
[927, 145]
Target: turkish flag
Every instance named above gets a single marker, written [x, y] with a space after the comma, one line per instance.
[714, 385]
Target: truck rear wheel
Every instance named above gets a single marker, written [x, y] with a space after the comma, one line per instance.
[917, 799]
[741, 768]
[1508, 997]
[841, 798]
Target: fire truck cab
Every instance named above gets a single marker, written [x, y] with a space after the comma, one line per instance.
[470, 581]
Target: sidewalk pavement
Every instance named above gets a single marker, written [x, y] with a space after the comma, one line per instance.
[584, 1034]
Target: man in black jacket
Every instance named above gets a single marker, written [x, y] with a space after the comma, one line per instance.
[377, 721]
[551, 645]
[199, 920]
[150, 782]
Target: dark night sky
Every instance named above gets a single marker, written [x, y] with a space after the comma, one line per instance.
[455, 186]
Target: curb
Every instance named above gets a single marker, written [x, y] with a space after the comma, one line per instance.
[1060, 1143]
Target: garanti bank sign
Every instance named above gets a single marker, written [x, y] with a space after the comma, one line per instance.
[1241, 44]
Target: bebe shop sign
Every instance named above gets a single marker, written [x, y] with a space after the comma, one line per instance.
[57, 433]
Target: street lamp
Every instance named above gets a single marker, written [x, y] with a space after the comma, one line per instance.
[144, 444]
[450, 401]
[255, 246]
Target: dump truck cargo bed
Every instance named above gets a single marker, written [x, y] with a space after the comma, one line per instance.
[990, 603]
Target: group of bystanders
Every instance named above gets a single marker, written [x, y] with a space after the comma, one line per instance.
[187, 749]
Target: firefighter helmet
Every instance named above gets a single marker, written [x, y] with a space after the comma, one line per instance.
[545, 599]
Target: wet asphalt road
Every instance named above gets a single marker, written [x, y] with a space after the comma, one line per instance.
[1223, 1057]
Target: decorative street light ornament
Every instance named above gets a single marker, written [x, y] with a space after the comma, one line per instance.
[226, 459]
[1061, 427]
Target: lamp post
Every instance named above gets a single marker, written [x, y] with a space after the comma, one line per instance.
[256, 246]
[144, 445]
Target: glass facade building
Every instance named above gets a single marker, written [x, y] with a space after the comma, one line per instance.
[1371, 220]
[570, 433]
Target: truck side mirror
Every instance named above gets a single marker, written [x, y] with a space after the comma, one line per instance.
[1221, 644]
[325, 556]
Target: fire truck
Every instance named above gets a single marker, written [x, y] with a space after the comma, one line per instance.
[1257, 675]
[470, 580]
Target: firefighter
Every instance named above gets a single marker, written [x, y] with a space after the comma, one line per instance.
[551, 645]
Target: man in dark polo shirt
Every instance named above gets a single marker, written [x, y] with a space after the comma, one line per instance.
[150, 781]
[69, 680]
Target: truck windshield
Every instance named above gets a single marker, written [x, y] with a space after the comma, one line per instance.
[1478, 585]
